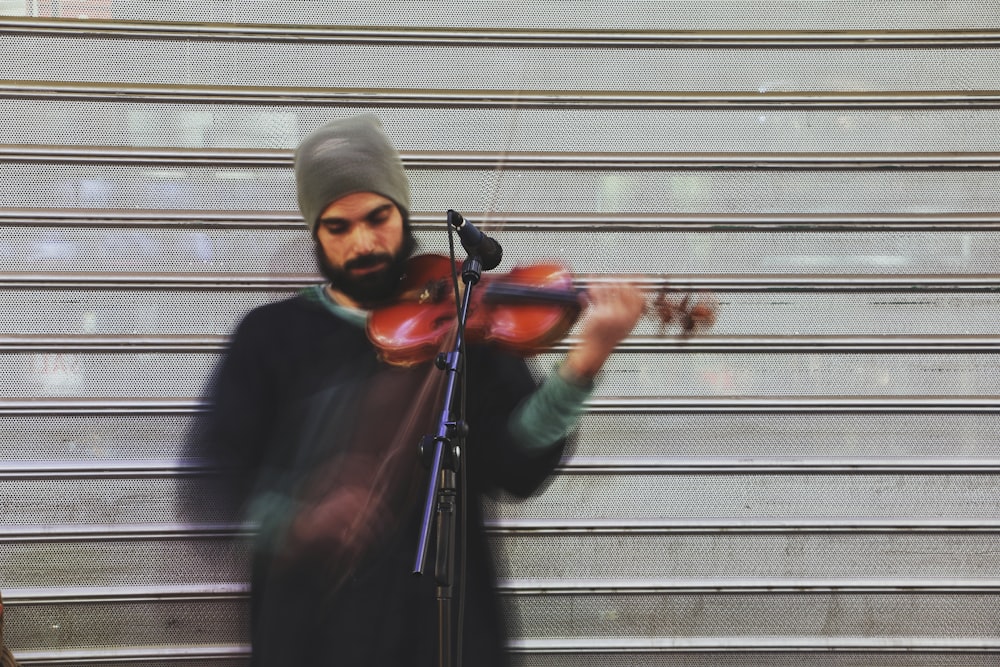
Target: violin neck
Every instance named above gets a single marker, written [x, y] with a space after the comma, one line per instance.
[510, 293]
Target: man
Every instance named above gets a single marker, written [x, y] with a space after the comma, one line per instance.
[322, 435]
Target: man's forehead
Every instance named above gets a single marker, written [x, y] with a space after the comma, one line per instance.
[354, 204]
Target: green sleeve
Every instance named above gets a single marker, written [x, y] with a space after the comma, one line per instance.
[549, 413]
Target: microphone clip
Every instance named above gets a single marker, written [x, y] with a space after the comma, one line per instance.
[475, 242]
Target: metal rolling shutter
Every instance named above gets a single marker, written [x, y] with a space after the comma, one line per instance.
[811, 483]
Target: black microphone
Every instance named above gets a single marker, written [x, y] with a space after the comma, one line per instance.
[475, 242]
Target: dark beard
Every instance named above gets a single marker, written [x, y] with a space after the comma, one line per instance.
[372, 289]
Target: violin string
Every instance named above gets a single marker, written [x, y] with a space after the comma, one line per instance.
[513, 125]
[488, 221]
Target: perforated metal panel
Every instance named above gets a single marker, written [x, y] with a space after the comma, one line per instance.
[518, 191]
[936, 437]
[776, 616]
[121, 502]
[791, 437]
[151, 562]
[129, 312]
[55, 374]
[733, 559]
[515, 128]
[795, 498]
[462, 66]
[111, 624]
[791, 375]
[101, 438]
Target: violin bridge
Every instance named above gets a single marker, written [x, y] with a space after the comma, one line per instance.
[433, 292]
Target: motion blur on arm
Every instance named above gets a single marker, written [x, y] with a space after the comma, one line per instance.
[613, 313]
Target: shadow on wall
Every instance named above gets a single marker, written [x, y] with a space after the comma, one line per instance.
[6, 659]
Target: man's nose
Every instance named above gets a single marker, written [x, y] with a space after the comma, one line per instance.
[364, 239]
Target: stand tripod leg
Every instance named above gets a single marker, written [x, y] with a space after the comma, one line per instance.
[444, 564]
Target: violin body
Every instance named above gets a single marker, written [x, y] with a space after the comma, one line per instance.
[524, 310]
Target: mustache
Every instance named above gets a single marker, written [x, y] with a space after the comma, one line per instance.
[368, 261]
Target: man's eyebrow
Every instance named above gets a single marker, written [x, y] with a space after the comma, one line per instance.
[334, 220]
[379, 209]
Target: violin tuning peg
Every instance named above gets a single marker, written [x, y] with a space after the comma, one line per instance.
[691, 312]
[702, 313]
[664, 308]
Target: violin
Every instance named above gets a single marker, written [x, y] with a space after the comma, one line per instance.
[525, 311]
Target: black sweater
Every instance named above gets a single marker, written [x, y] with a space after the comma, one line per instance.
[286, 401]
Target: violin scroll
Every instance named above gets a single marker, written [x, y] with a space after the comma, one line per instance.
[693, 314]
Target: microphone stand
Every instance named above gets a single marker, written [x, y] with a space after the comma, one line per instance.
[443, 451]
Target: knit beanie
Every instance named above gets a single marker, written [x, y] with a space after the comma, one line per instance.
[347, 156]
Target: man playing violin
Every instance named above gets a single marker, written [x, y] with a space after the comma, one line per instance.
[320, 434]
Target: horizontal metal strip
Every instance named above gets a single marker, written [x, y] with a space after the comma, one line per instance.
[749, 644]
[541, 647]
[821, 404]
[146, 155]
[101, 470]
[155, 344]
[99, 406]
[720, 222]
[763, 586]
[591, 526]
[139, 656]
[601, 405]
[576, 464]
[260, 158]
[191, 219]
[65, 595]
[561, 527]
[526, 587]
[563, 222]
[100, 281]
[678, 281]
[31, 343]
[120, 532]
[652, 464]
[817, 344]
[384, 97]
[526, 99]
[641, 161]
[494, 37]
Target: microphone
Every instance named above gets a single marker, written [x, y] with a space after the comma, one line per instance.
[475, 242]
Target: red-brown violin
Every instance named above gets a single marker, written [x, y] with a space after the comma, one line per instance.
[524, 310]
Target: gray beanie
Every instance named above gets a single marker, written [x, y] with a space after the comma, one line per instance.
[347, 156]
